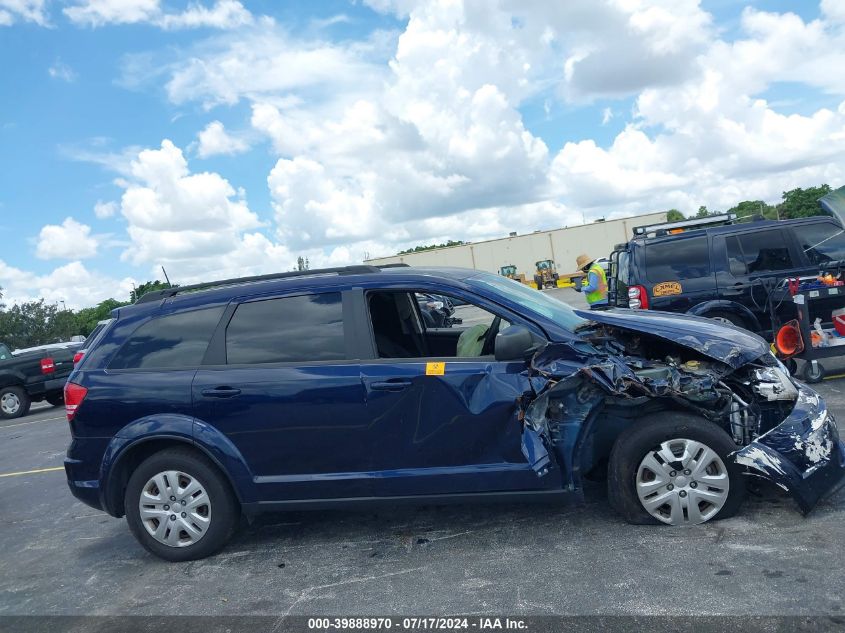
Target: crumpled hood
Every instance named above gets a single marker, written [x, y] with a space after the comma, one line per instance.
[726, 343]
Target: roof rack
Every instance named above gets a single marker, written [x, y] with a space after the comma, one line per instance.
[664, 228]
[155, 295]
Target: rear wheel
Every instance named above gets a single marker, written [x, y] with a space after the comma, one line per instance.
[14, 402]
[179, 506]
[673, 468]
[727, 317]
[56, 400]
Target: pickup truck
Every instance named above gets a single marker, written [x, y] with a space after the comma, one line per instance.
[33, 375]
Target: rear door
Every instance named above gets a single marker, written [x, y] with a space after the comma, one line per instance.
[752, 264]
[678, 272]
[285, 389]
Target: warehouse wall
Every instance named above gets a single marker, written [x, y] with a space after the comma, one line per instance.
[561, 245]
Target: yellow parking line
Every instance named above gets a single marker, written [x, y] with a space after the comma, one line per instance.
[11, 426]
[32, 472]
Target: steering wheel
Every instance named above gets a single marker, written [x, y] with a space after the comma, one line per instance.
[490, 337]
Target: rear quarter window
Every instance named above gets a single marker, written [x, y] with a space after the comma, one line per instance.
[176, 340]
[684, 258]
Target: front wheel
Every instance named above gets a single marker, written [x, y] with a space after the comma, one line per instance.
[179, 506]
[673, 468]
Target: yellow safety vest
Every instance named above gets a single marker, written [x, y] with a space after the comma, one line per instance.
[599, 294]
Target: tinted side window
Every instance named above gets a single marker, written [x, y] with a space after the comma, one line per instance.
[306, 328]
[677, 259]
[822, 242]
[177, 340]
[759, 252]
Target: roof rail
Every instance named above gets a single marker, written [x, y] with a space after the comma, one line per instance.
[664, 228]
[155, 295]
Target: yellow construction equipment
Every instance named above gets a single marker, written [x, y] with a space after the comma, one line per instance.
[545, 276]
[509, 271]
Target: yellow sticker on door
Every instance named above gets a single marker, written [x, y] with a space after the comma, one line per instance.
[435, 369]
[667, 288]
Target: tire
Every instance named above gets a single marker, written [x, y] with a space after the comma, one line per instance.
[811, 375]
[727, 317]
[14, 402]
[221, 506]
[57, 400]
[637, 442]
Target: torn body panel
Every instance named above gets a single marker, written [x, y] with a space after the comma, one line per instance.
[589, 390]
[803, 454]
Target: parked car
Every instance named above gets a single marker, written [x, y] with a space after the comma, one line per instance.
[726, 270]
[32, 375]
[89, 340]
[325, 389]
[437, 311]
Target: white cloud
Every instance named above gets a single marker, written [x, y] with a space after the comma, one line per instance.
[72, 283]
[418, 137]
[265, 62]
[60, 70]
[224, 14]
[70, 240]
[214, 140]
[177, 216]
[105, 210]
[12, 11]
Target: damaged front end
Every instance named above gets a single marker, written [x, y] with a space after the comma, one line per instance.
[587, 391]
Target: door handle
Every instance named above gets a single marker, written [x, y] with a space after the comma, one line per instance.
[390, 385]
[221, 392]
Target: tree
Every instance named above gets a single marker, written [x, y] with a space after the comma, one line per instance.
[28, 324]
[418, 249]
[87, 318]
[673, 215]
[302, 263]
[702, 212]
[146, 287]
[749, 208]
[802, 203]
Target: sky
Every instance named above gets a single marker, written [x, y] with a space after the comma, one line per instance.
[220, 138]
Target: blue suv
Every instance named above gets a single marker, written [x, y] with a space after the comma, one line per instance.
[200, 404]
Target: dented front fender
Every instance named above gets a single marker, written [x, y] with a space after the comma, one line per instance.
[803, 454]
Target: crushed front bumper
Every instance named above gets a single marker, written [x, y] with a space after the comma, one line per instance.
[803, 454]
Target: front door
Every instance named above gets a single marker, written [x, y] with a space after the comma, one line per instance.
[448, 409]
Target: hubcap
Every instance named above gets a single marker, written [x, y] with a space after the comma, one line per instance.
[721, 319]
[10, 403]
[176, 523]
[683, 482]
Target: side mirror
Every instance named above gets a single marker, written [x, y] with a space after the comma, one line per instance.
[513, 343]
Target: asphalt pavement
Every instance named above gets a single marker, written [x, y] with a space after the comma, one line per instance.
[60, 557]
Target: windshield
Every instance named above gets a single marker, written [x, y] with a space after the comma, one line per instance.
[539, 302]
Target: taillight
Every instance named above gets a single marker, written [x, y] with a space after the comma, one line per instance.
[638, 298]
[47, 366]
[74, 395]
[78, 357]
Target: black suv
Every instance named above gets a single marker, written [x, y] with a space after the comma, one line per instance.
[720, 269]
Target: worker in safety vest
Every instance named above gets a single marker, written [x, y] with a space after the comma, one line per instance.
[594, 284]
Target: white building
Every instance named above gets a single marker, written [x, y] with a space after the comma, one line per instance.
[561, 245]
